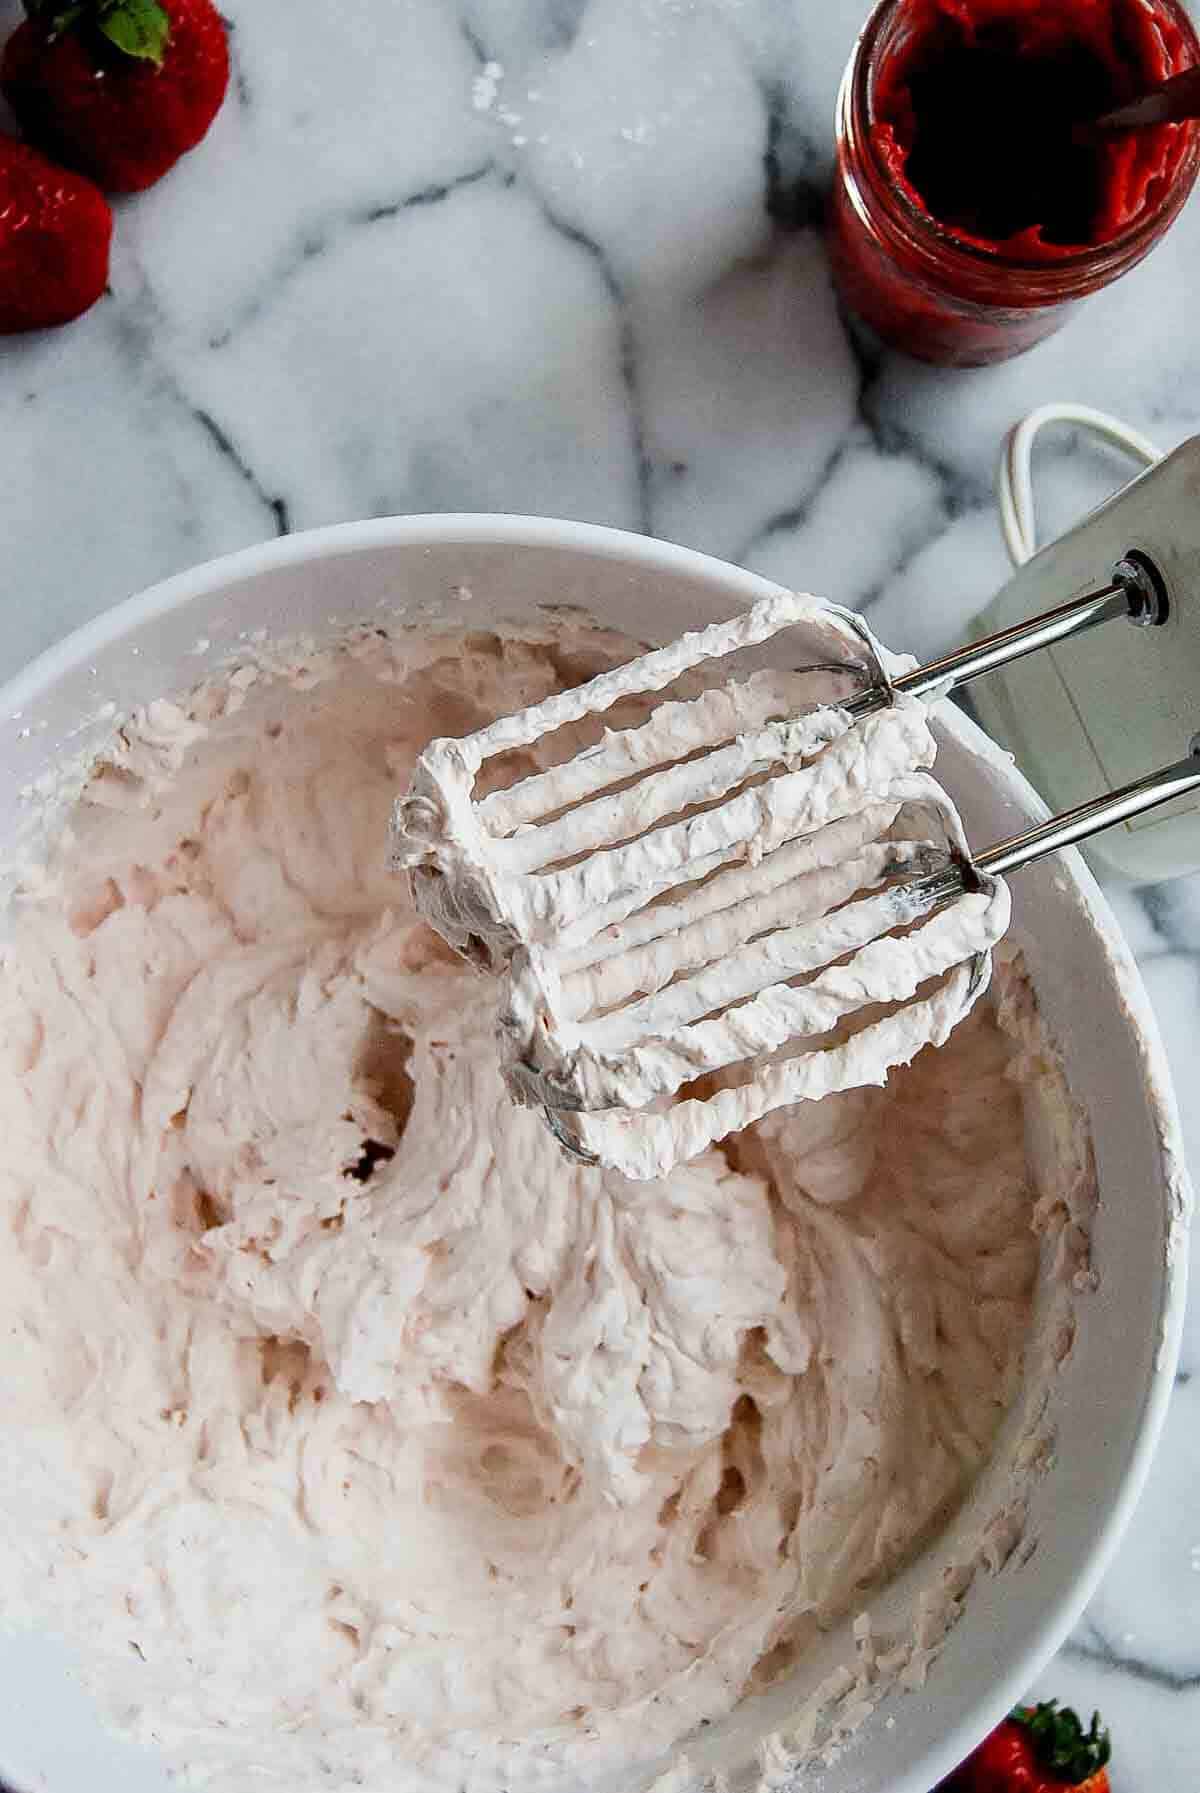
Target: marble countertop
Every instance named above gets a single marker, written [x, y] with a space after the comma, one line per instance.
[563, 256]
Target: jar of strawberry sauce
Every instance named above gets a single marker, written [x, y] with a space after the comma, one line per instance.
[972, 207]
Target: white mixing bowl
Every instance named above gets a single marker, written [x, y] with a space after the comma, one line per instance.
[1110, 1396]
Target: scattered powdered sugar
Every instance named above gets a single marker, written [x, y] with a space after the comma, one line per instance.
[486, 85]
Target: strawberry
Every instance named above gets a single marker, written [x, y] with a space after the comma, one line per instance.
[55, 229]
[1037, 1749]
[118, 89]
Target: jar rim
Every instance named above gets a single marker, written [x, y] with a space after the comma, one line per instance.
[929, 235]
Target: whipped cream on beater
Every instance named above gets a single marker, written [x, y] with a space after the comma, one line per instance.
[471, 860]
[356, 1437]
[654, 900]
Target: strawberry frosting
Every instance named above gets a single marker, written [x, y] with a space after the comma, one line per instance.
[355, 1436]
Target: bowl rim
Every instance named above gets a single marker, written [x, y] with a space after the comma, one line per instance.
[483, 528]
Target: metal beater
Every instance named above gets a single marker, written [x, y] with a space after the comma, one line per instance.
[742, 901]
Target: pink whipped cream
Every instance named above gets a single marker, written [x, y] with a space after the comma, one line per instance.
[355, 1436]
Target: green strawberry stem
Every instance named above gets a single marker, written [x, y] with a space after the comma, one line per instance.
[1061, 1742]
[138, 28]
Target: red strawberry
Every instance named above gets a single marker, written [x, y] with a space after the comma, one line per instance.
[1037, 1749]
[118, 89]
[55, 229]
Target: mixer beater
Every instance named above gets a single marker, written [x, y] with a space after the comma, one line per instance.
[753, 896]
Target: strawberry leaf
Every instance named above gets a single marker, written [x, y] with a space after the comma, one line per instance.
[1061, 1743]
[140, 28]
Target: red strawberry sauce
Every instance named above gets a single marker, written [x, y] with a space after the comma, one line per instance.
[963, 170]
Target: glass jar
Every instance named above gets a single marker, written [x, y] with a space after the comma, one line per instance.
[925, 288]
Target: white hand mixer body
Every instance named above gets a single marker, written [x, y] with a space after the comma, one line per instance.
[746, 900]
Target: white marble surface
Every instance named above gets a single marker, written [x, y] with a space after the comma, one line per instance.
[559, 256]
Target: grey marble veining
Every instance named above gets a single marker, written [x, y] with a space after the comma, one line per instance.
[563, 256]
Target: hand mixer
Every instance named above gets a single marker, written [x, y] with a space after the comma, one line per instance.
[748, 899]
